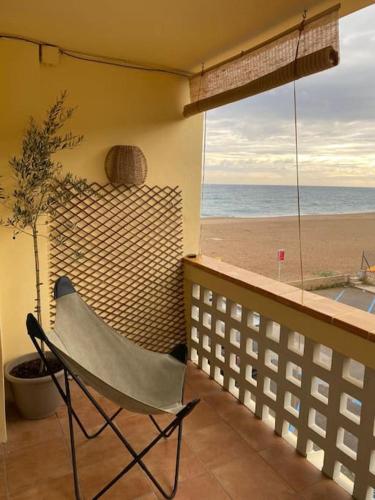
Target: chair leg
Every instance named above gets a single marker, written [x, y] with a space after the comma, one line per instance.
[177, 467]
[71, 434]
[138, 460]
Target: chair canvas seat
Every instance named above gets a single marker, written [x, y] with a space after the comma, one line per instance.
[136, 379]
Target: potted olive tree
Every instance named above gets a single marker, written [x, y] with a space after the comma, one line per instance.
[40, 184]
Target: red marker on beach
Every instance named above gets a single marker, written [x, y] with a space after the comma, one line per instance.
[280, 259]
[281, 255]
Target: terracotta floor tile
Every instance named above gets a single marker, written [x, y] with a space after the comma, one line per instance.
[3, 483]
[226, 453]
[22, 432]
[105, 447]
[78, 395]
[162, 459]
[204, 487]
[135, 424]
[252, 478]
[202, 416]
[190, 393]
[47, 489]
[90, 421]
[164, 451]
[31, 465]
[192, 371]
[291, 466]
[202, 384]
[105, 403]
[78, 435]
[133, 485]
[255, 432]
[138, 429]
[326, 489]
[78, 399]
[87, 412]
[222, 402]
[218, 444]
[97, 466]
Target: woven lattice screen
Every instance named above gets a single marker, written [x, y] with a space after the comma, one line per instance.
[268, 65]
[122, 248]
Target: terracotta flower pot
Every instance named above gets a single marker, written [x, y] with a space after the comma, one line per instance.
[35, 397]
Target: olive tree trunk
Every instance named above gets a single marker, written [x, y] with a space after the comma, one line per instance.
[38, 307]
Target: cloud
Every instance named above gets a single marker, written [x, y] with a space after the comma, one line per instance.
[252, 141]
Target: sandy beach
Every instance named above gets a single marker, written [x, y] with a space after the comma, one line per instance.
[331, 243]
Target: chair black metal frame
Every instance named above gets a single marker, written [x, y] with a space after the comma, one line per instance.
[37, 335]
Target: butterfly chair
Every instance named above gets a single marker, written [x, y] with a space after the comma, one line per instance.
[134, 378]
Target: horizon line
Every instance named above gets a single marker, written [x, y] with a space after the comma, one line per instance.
[284, 185]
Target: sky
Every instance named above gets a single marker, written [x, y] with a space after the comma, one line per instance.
[252, 141]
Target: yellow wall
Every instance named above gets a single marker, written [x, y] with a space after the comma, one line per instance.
[2, 388]
[115, 106]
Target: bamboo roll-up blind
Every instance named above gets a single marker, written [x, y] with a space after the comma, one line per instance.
[268, 65]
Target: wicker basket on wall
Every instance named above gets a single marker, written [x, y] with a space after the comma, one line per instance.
[126, 165]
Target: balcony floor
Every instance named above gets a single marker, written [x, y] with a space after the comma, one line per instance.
[227, 454]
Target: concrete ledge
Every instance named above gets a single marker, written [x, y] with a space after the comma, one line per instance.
[322, 282]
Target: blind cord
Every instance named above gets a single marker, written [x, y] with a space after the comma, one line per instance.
[302, 25]
[203, 175]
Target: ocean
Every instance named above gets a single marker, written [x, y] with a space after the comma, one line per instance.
[235, 200]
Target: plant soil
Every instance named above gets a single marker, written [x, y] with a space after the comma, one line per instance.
[31, 369]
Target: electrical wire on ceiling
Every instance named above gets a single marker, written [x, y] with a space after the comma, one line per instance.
[82, 56]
